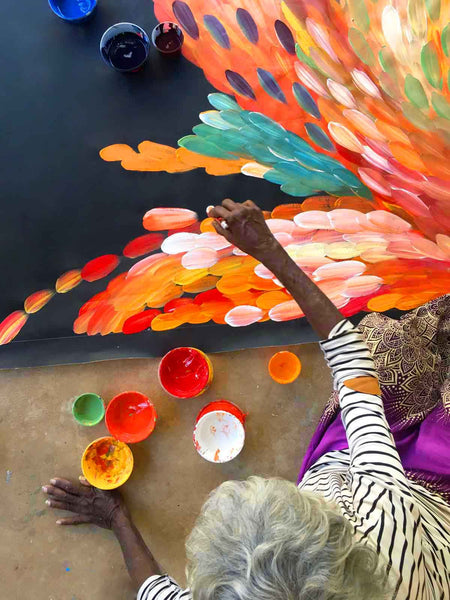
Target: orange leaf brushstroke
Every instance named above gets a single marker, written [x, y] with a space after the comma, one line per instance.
[37, 300]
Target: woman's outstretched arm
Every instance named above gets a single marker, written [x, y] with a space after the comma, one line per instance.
[247, 229]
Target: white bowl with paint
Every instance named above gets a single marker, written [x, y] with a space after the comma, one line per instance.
[219, 436]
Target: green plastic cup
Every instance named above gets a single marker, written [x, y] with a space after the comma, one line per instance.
[88, 409]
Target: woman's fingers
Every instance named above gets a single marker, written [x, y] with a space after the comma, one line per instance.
[218, 212]
[76, 520]
[221, 231]
[68, 486]
[59, 504]
[250, 204]
[84, 481]
[229, 204]
[56, 492]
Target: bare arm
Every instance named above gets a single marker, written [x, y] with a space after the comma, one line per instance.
[140, 562]
[107, 510]
[248, 231]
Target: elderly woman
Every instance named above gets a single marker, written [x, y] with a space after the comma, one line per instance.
[370, 517]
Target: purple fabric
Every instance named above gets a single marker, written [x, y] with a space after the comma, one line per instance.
[412, 357]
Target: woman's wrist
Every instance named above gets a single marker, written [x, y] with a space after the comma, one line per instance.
[276, 259]
[120, 522]
[271, 255]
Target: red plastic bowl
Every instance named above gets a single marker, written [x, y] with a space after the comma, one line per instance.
[130, 417]
[225, 406]
[185, 372]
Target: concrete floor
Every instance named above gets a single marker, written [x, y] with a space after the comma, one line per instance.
[39, 439]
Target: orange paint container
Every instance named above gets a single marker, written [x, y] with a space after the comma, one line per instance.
[185, 372]
[107, 463]
[130, 417]
[284, 367]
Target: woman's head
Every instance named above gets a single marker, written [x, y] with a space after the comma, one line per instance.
[263, 539]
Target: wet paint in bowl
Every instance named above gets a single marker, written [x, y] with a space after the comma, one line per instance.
[168, 38]
[73, 11]
[125, 47]
[185, 372]
[88, 409]
[130, 417]
[284, 367]
[219, 436]
[107, 463]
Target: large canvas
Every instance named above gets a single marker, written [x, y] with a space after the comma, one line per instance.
[343, 109]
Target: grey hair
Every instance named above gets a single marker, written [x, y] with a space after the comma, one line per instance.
[264, 539]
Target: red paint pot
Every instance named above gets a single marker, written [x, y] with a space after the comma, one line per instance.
[225, 406]
[130, 417]
[185, 372]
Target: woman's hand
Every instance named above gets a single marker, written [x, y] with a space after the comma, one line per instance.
[244, 226]
[107, 510]
[89, 504]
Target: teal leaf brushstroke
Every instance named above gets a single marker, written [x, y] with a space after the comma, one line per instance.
[214, 119]
[203, 130]
[265, 124]
[233, 118]
[203, 146]
[231, 133]
[223, 102]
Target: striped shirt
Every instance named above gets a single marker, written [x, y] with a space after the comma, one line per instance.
[408, 525]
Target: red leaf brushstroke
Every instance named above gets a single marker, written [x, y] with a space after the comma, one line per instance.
[143, 245]
[99, 267]
[140, 322]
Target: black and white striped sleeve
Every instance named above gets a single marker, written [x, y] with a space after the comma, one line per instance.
[384, 507]
[162, 587]
[371, 445]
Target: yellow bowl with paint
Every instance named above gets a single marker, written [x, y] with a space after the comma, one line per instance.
[107, 463]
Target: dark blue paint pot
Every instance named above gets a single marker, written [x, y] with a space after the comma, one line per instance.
[125, 47]
[73, 11]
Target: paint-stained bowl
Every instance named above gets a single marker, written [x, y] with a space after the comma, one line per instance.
[284, 367]
[88, 409]
[73, 11]
[130, 417]
[219, 436]
[107, 463]
[222, 405]
[185, 372]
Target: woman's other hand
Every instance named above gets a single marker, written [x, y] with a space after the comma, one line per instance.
[245, 227]
[89, 504]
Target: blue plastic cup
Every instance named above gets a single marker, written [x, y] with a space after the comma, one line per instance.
[73, 11]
